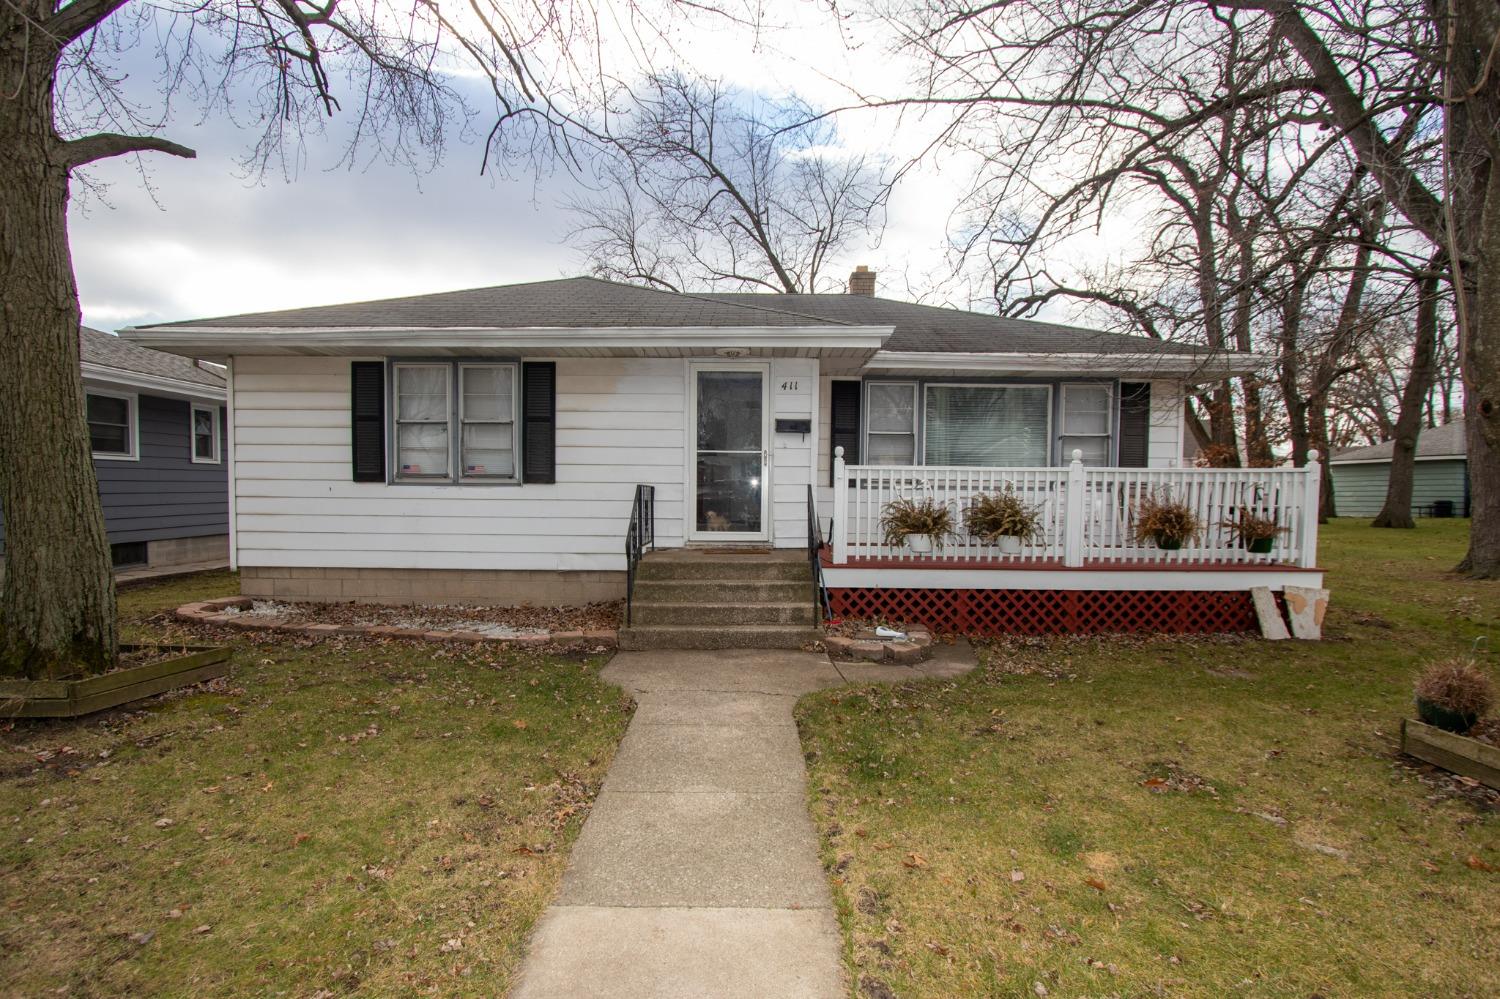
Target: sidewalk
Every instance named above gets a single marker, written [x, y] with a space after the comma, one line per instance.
[697, 871]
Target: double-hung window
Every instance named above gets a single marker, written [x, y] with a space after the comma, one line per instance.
[205, 434]
[1086, 422]
[487, 416]
[455, 422]
[891, 423]
[112, 425]
[988, 425]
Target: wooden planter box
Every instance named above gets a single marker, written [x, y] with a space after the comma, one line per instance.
[1457, 753]
[70, 698]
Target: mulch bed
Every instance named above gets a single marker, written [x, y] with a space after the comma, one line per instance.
[442, 617]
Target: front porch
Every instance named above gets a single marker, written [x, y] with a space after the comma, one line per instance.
[1085, 570]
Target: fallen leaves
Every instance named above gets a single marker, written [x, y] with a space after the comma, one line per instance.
[1096, 883]
[1475, 864]
[914, 860]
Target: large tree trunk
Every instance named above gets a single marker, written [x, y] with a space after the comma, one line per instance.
[1397, 509]
[57, 608]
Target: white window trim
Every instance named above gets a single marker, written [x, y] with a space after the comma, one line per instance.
[213, 412]
[914, 433]
[929, 386]
[1111, 408]
[133, 422]
[515, 414]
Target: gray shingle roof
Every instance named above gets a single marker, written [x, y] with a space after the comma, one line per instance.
[107, 350]
[564, 303]
[1446, 441]
[590, 302]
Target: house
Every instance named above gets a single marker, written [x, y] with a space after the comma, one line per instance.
[158, 427]
[1440, 479]
[524, 442]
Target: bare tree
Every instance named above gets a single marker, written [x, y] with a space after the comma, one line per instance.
[709, 185]
[291, 64]
[1396, 511]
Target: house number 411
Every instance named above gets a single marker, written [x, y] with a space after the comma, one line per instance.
[791, 386]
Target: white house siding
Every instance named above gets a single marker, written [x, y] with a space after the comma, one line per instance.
[620, 421]
[1164, 438]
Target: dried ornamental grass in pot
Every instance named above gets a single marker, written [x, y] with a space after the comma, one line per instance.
[918, 524]
[1002, 519]
[1256, 534]
[1166, 522]
[1453, 694]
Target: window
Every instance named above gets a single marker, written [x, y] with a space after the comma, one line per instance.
[439, 429]
[891, 423]
[1086, 423]
[487, 415]
[127, 553]
[205, 431]
[112, 425]
[991, 425]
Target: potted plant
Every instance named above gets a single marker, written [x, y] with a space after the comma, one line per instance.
[1453, 693]
[918, 524]
[1002, 519]
[1256, 534]
[1164, 521]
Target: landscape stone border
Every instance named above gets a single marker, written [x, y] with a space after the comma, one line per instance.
[213, 612]
[912, 649]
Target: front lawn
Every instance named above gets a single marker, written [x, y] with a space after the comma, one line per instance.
[1189, 817]
[338, 818]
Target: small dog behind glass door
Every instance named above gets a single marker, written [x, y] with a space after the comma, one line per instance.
[716, 521]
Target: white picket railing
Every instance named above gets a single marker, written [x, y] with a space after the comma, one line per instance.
[1087, 515]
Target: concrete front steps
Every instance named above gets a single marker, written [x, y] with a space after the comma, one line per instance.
[722, 598]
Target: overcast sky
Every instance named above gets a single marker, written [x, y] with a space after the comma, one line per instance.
[176, 239]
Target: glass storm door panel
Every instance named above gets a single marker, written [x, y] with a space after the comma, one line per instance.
[730, 455]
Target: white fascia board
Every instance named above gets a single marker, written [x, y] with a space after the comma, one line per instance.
[1143, 365]
[1387, 461]
[161, 385]
[1139, 578]
[223, 342]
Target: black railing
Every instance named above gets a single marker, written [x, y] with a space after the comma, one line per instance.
[640, 537]
[815, 558]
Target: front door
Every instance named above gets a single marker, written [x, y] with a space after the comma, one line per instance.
[729, 452]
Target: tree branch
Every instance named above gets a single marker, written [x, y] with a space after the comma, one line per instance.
[103, 145]
[78, 18]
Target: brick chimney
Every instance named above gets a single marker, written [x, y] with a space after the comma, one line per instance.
[862, 282]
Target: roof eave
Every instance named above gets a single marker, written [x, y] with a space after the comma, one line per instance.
[1184, 366]
[153, 384]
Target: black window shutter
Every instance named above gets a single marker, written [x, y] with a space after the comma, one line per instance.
[539, 421]
[844, 411]
[367, 418]
[1135, 423]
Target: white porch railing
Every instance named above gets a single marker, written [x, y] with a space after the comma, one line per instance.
[1087, 514]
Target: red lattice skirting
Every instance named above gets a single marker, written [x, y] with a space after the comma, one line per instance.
[1052, 612]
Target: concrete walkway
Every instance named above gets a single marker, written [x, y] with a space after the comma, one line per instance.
[697, 872]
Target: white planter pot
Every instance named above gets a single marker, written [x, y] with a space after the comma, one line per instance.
[1008, 544]
[919, 544]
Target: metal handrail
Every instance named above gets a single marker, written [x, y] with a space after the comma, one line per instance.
[815, 557]
[640, 537]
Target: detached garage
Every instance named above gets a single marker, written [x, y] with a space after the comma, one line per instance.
[1440, 485]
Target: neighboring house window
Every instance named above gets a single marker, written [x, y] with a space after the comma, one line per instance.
[987, 425]
[428, 409]
[112, 423]
[891, 423]
[205, 434]
[1086, 423]
[487, 415]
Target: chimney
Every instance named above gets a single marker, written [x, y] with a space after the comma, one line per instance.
[862, 282]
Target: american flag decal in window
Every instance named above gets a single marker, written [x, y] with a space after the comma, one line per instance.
[411, 469]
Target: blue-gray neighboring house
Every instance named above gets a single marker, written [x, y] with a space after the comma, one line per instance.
[1440, 480]
[159, 429]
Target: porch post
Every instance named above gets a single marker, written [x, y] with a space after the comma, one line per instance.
[1310, 506]
[1073, 514]
[840, 526]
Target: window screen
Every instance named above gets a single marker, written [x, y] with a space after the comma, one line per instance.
[487, 412]
[1086, 423]
[891, 424]
[992, 425]
[422, 420]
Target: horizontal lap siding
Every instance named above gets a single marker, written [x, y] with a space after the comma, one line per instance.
[619, 422]
[1359, 489]
[1164, 435]
[163, 495]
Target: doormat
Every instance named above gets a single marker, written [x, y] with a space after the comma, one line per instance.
[735, 551]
